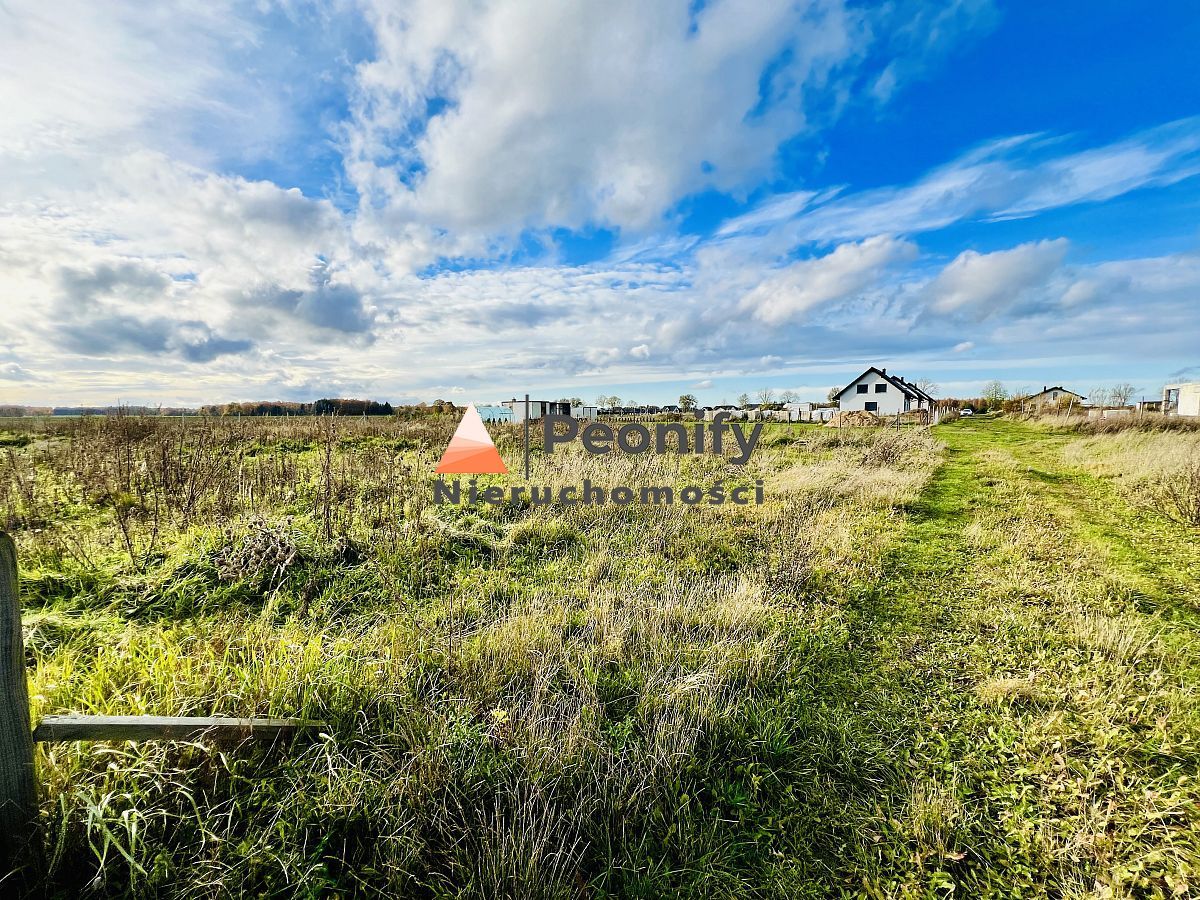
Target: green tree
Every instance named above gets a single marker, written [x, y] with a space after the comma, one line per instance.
[687, 402]
[994, 393]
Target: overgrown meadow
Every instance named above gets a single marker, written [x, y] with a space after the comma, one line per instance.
[851, 690]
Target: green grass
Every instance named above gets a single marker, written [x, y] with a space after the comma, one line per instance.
[958, 666]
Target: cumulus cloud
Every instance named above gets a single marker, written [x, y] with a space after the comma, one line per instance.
[836, 277]
[111, 310]
[494, 117]
[595, 111]
[979, 285]
[338, 307]
[132, 253]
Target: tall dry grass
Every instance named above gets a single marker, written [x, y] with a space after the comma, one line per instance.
[522, 701]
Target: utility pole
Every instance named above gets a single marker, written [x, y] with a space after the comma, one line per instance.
[526, 437]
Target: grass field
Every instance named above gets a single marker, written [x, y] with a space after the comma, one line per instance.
[957, 662]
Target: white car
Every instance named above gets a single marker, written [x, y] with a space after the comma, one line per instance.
[965, 412]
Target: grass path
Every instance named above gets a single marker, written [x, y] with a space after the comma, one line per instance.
[1046, 658]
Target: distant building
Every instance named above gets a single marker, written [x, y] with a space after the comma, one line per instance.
[537, 408]
[1051, 396]
[875, 391]
[495, 413]
[1181, 399]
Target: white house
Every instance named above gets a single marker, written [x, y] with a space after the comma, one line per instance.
[876, 391]
[1181, 399]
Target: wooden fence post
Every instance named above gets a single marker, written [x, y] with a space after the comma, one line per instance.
[18, 786]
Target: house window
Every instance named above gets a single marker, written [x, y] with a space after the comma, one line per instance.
[881, 388]
[862, 388]
[871, 406]
[1054, 396]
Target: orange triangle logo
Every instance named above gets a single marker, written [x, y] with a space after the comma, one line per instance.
[471, 451]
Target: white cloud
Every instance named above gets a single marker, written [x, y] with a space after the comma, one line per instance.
[1006, 178]
[979, 285]
[606, 111]
[964, 346]
[134, 264]
[836, 277]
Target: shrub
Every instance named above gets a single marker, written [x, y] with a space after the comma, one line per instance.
[1176, 494]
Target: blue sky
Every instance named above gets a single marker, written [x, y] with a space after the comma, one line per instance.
[410, 200]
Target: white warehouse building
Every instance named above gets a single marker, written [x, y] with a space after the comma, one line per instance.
[875, 391]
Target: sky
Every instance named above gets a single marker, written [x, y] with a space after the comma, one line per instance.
[413, 200]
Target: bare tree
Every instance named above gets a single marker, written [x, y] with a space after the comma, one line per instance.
[1119, 394]
[833, 394]
[789, 396]
[1098, 396]
[766, 395]
[743, 400]
[928, 386]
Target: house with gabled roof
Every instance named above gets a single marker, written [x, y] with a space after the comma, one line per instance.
[876, 391]
[1051, 396]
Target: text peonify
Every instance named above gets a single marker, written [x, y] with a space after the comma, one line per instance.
[600, 438]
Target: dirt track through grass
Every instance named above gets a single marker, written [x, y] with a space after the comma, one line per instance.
[1048, 662]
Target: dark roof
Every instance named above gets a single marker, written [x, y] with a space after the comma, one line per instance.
[1046, 390]
[919, 391]
[903, 385]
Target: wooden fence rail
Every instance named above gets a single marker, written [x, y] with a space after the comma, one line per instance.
[20, 846]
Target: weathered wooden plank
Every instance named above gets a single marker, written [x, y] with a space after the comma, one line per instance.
[18, 784]
[169, 728]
